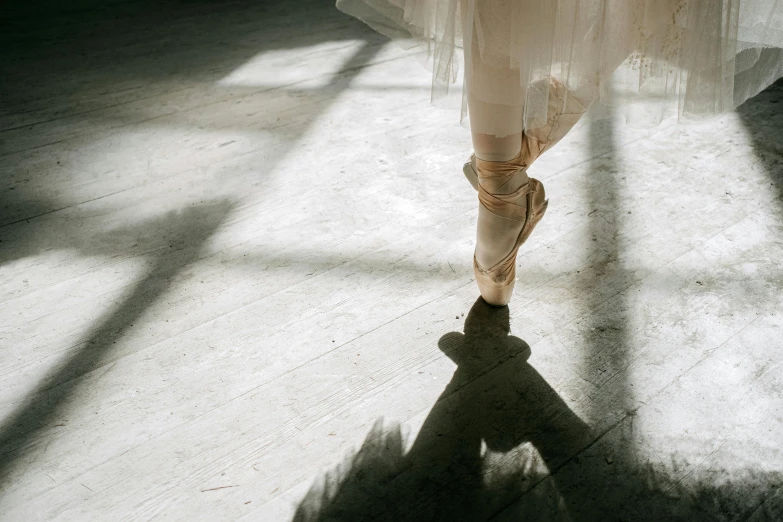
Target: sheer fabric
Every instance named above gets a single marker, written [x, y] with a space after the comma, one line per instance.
[654, 58]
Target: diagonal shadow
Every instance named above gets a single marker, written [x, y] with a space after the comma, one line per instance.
[188, 232]
[500, 443]
[762, 117]
[475, 451]
[30, 239]
[605, 352]
[615, 485]
[197, 62]
[25, 203]
[190, 228]
[126, 49]
[500, 435]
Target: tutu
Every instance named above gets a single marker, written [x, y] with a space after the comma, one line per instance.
[649, 59]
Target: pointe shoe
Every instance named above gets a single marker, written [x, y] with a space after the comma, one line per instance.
[531, 150]
[470, 173]
[525, 205]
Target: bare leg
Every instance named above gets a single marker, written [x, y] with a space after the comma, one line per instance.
[504, 149]
[496, 130]
[496, 235]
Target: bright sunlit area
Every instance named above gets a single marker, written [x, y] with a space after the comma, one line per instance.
[236, 282]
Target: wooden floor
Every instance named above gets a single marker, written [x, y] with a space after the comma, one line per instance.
[235, 283]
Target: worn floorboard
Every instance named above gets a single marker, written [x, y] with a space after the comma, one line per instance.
[235, 283]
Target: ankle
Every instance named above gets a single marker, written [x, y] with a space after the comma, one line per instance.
[506, 183]
[497, 149]
[495, 237]
[514, 183]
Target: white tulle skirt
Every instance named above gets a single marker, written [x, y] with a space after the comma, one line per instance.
[649, 58]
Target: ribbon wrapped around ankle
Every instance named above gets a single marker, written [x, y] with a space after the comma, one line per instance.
[515, 205]
[493, 175]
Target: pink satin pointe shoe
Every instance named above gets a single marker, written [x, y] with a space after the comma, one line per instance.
[528, 203]
[525, 205]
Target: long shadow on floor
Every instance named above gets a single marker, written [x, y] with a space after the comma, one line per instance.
[501, 444]
[173, 241]
[498, 433]
[464, 463]
[203, 48]
[129, 63]
[763, 119]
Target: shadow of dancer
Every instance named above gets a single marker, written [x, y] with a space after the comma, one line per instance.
[486, 441]
[501, 444]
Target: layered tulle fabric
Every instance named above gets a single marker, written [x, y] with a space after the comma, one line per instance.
[652, 58]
